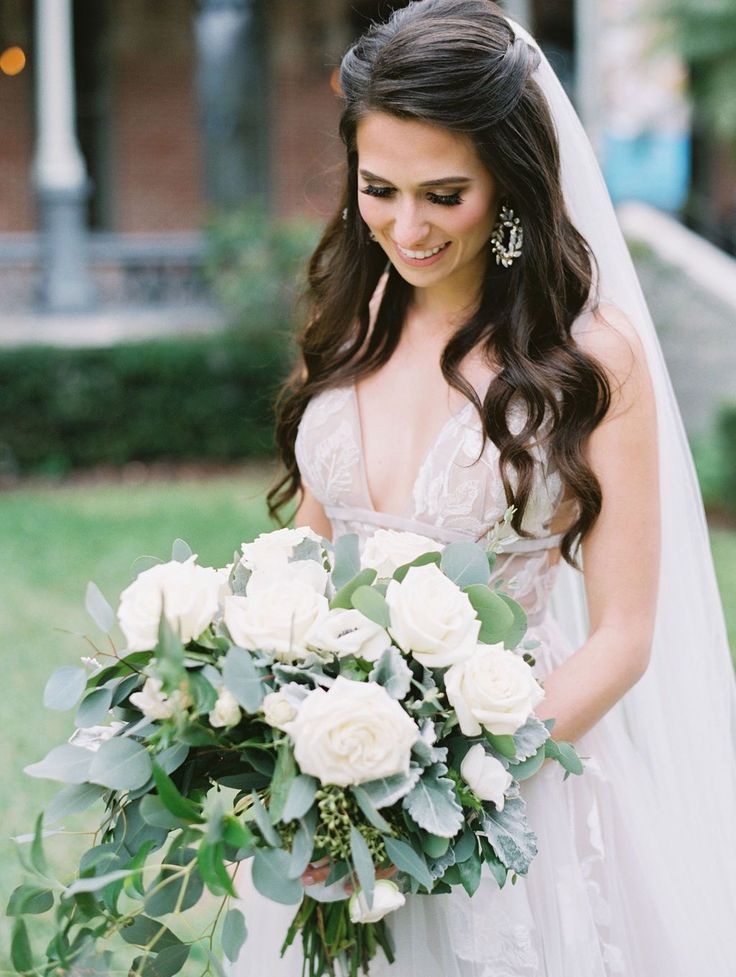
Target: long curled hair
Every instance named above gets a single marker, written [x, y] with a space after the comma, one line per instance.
[457, 64]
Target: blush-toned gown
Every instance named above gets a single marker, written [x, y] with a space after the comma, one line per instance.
[600, 898]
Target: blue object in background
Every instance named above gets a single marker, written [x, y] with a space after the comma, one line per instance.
[653, 167]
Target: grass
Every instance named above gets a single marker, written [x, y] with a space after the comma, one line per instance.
[55, 540]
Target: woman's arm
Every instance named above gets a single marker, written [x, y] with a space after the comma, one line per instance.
[621, 553]
[310, 513]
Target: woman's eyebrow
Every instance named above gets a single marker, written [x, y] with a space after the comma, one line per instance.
[442, 182]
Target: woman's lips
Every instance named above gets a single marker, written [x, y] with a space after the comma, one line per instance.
[422, 262]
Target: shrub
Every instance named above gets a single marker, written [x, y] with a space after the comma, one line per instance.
[205, 398]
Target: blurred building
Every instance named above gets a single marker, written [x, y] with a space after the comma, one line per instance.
[179, 108]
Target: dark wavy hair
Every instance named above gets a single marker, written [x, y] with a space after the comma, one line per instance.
[457, 64]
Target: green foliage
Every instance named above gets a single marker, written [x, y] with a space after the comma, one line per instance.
[257, 267]
[705, 36]
[715, 461]
[727, 434]
[204, 398]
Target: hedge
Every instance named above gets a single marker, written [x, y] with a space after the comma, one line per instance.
[207, 398]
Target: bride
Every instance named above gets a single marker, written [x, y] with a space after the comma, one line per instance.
[477, 337]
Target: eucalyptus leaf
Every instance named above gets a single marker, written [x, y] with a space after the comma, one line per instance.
[72, 800]
[369, 810]
[565, 754]
[393, 673]
[502, 743]
[469, 871]
[517, 631]
[168, 792]
[234, 934]
[300, 798]
[155, 813]
[243, 679]
[121, 764]
[173, 890]
[465, 563]
[29, 899]
[167, 963]
[406, 859]
[346, 560]
[98, 608]
[527, 768]
[283, 775]
[508, 831]
[432, 803]
[143, 931]
[64, 688]
[271, 877]
[343, 597]
[20, 947]
[93, 708]
[67, 763]
[363, 863]
[172, 758]
[303, 845]
[260, 814]
[495, 615]
[373, 605]
[420, 561]
[96, 882]
[180, 551]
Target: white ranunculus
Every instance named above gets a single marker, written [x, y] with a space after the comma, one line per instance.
[187, 594]
[92, 737]
[431, 617]
[275, 548]
[307, 571]
[348, 632]
[386, 898]
[352, 733]
[155, 704]
[275, 619]
[278, 711]
[388, 549]
[494, 689]
[226, 711]
[485, 775]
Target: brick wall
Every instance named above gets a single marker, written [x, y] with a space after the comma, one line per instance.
[155, 144]
[16, 118]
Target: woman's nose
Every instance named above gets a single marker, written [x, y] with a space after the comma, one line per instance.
[410, 225]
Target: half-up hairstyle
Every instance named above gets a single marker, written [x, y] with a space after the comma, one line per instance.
[457, 64]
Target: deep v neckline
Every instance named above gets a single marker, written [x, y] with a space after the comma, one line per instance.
[434, 441]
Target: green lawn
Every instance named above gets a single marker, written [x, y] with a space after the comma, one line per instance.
[54, 540]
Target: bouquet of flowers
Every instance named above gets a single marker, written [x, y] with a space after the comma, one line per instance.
[374, 710]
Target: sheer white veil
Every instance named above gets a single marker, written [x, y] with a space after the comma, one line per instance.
[681, 716]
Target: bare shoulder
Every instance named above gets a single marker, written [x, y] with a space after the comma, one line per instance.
[609, 336]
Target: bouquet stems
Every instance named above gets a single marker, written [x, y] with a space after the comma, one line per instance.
[333, 945]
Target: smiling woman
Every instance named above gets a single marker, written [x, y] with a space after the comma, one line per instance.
[424, 219]
[477, 338]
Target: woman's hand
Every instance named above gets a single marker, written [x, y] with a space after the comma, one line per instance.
[318, 871]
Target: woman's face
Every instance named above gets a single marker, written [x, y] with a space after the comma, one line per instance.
[428, 199]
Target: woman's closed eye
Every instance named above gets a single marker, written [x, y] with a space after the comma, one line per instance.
[446, 200]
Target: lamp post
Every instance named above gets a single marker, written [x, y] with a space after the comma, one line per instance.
[59, 171]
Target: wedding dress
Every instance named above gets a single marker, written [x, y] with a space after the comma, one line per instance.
[636, 871]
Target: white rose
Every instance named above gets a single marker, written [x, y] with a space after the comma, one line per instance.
[278, 711]
[155, 704]
[307, 571]
[92, 737]
[186, 593]
[275, 619]
[348, 632]
[494, 688]
[386, 898]
[352, 733]
[226, 711]
[387, 550]
[431, 617]
[275, 548]
[485, 775]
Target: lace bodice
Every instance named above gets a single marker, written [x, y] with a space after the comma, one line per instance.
[457, 493]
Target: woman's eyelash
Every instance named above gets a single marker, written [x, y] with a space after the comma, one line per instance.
[447, 200]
